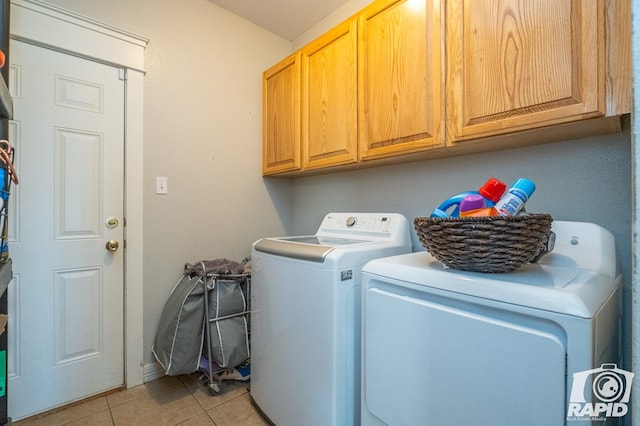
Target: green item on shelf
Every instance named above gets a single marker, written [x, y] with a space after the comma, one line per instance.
[3, 373]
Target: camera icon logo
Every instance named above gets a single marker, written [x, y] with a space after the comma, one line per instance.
[600, 392]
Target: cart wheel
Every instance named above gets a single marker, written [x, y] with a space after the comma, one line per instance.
[215, 389]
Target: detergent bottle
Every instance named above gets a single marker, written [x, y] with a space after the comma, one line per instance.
[514, 199]
[475, 206]
[491, 191]
[3, 194]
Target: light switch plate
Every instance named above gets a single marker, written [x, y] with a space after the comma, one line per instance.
[161, 185]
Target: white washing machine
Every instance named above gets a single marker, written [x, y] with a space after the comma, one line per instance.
[305, 322]
[445, 347]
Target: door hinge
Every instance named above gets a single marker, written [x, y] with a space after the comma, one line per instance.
[122, 74]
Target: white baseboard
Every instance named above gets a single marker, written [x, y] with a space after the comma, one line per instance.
[152, 371]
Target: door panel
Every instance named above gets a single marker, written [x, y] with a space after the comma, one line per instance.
[329, 105]
[77, 328]
[399, 78]
[77, 170]
[500, 367]
[281, 116]
[66, 299]
[515, 65]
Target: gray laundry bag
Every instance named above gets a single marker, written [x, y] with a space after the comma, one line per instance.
[178, 342]
[228, 323]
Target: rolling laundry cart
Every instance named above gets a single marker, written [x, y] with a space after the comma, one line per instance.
[226, 326]
[204, 326]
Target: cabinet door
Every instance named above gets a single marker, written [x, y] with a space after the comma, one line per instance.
[329, 111]
[515, 65]
[281, 117]
[399, 78]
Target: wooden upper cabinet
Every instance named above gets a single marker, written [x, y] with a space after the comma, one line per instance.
[399, 78]
[408, 79]
[281, 117]
[619, 69]
[329, 108]
[515, 65]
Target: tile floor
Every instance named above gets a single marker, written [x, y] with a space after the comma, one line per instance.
[167, 401]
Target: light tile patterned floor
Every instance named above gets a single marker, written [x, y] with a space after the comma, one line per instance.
[168, 401]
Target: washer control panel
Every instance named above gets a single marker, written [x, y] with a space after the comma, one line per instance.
[357, 222]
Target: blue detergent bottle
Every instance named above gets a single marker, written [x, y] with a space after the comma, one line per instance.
[4, 196]
[492, 191]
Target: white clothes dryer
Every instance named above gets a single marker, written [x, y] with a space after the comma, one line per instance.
[305, 322]
[443, 347]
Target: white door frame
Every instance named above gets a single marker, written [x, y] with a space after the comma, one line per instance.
[43, 24]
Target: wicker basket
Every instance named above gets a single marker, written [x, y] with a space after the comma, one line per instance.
[484, 244]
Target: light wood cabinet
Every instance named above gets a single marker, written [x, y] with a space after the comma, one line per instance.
[435, 78]
[515, 65]
[281, 117]
[618, 53]
[399, 78]
[329, 110]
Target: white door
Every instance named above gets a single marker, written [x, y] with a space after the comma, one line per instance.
[66, 299]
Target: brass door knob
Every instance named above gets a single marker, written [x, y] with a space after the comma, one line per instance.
[112, 245]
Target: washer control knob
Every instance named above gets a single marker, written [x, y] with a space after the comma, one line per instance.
[351, 221]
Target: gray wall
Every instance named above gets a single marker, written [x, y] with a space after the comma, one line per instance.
[583, 180]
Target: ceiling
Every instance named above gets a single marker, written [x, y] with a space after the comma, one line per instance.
[287, 18]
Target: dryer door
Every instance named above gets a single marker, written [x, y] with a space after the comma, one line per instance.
[432, 360]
